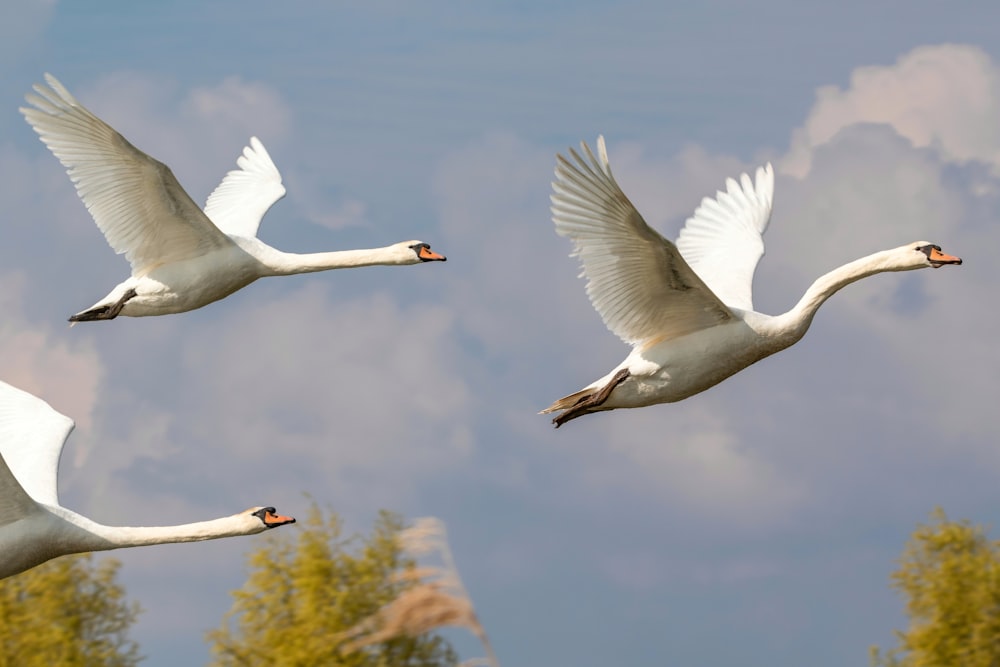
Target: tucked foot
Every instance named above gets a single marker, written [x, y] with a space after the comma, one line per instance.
[107, 312]
[587, 403]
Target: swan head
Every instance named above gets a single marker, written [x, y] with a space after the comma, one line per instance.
[267, 517]
[924, 254]
[418, 251]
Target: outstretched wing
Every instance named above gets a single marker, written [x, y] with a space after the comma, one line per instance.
[637, 280]
[723, 240]
[32, 435]
[239, 203]
[136, 201]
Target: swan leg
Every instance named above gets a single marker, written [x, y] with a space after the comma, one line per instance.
[106, 312]
[587, 403]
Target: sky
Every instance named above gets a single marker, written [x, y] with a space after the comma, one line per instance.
[754, 524]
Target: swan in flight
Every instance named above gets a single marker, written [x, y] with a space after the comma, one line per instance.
[35, 528]
[182, 258]
[685, 309]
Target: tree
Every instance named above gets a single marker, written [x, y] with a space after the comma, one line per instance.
[303, 593]
[69, 612]
[949, 575]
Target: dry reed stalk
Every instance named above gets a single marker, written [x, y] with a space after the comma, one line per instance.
[437, 599]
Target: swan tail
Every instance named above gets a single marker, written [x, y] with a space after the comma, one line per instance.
[566, 402]
[586, 400]
[105, 311]
[98, 313]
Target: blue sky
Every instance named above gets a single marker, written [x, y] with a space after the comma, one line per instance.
[754, 524]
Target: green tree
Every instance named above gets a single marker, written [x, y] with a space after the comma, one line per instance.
[69, 612]
[949, 575]
[304, 592]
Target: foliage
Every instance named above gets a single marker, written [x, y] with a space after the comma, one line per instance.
[949, 574]
[304, 592]
[69, 612]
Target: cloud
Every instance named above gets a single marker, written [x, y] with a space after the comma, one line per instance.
[944, 97]
[68, 375]
[700, 465]
[297, 391]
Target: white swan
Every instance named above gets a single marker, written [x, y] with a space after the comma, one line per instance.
[35, 528]
[686, 309]
[180, 259]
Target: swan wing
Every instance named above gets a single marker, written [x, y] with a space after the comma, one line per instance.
[32, 435]
[636, 280]
[239, 203]
[723, 240]
[136, 201]
[15, 503]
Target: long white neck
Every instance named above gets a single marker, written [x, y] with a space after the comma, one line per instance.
[99, 537]
[285, 263]
[49, 531]
[796, 321]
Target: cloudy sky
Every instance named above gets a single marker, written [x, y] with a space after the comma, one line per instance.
[754, 524]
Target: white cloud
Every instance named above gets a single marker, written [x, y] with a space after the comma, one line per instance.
[692, 459]
[337, 215]
[298, 392]
[944, 97]
[40, 360]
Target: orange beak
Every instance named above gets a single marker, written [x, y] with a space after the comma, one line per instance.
[428, 255]
[275, 520]
[939, 259]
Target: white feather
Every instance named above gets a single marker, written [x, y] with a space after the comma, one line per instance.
[240, 202]
[723, 241]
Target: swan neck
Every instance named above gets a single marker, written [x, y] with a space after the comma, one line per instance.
[286, 263]
[115, 537]
[830, 283]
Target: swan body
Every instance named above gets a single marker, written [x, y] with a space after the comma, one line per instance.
[182, 258]
[686, 309]
[35, 528]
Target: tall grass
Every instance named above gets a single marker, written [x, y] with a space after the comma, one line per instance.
[437, 597]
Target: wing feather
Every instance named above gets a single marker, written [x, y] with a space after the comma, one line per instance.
[240, 202]
[723, 241]
[136, 201]
[636, 280]
[32, 435]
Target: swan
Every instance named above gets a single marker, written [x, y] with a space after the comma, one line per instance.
[35, 528]
[685, 309]
[182, 258]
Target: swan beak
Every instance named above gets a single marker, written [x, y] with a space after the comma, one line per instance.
[275, 520]
[427, 255]
[939, 259]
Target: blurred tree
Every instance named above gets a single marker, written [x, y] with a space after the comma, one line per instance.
[949, 574]
[69, 612]
[304, 592]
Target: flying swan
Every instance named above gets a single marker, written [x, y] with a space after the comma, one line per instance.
[182, 258]
[35, 528]
[685, 309]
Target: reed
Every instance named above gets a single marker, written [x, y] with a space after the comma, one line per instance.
[436, 597]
